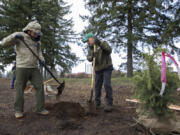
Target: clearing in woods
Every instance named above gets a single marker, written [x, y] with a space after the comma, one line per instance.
[68, 115]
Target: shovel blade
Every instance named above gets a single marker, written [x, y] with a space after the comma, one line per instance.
[60, 88]
[91, 96]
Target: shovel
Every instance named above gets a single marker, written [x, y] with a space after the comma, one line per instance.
[61, 86]
[90, 101]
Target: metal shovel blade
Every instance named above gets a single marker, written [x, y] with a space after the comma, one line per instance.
[91, 96]
[60, 88]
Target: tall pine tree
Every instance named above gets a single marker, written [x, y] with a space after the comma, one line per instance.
[57, 30]
[131, 25]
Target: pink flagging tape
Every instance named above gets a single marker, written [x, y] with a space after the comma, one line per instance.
[163, 71]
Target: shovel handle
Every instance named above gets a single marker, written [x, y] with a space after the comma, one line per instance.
[93, 76]
[93, 71]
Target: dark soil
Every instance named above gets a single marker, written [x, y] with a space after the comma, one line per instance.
[66, 110]
[68, 116]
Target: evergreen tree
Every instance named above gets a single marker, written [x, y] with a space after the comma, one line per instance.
[131, 25]
[57, 31]
[148, 86]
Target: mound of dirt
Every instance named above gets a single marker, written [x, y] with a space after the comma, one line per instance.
[3, 132]
[66, 110]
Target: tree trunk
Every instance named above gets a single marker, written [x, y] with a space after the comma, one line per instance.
[129, 42]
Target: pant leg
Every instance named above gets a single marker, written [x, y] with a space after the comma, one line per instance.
[98, 87]
[13, 80]
[37, 82]
[107, 85]
[21, 80]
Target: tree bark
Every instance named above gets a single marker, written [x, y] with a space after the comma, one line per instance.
[129, 42]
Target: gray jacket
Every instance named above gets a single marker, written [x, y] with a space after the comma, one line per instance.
[24, 58]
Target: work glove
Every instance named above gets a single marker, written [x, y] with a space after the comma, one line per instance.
[19, 36]
[94, 54]
[97, 42]
[42, 62]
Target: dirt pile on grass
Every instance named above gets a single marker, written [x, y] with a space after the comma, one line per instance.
[3, 131]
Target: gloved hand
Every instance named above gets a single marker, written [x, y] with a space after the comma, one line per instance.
[41, 62]
[94, 54]
[19, 36]
[97, 42]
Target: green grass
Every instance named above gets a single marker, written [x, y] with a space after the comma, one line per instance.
[87, 81]
[77, 80]
[122, 81]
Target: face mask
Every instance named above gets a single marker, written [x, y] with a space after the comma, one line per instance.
[37, 38]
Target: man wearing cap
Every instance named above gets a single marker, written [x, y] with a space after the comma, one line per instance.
[103, 69]
[27, 66]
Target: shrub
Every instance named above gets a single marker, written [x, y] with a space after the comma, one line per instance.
[148, 86]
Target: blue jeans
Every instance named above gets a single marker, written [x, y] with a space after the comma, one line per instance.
[101, 77]
[13, 81]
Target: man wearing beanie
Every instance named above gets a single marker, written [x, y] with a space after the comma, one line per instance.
[27, 66]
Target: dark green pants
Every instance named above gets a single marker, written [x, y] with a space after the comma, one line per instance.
[22, 76]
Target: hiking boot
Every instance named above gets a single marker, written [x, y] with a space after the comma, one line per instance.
[108, 108]
[44, 112]
[19, 115]
[98, 107]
